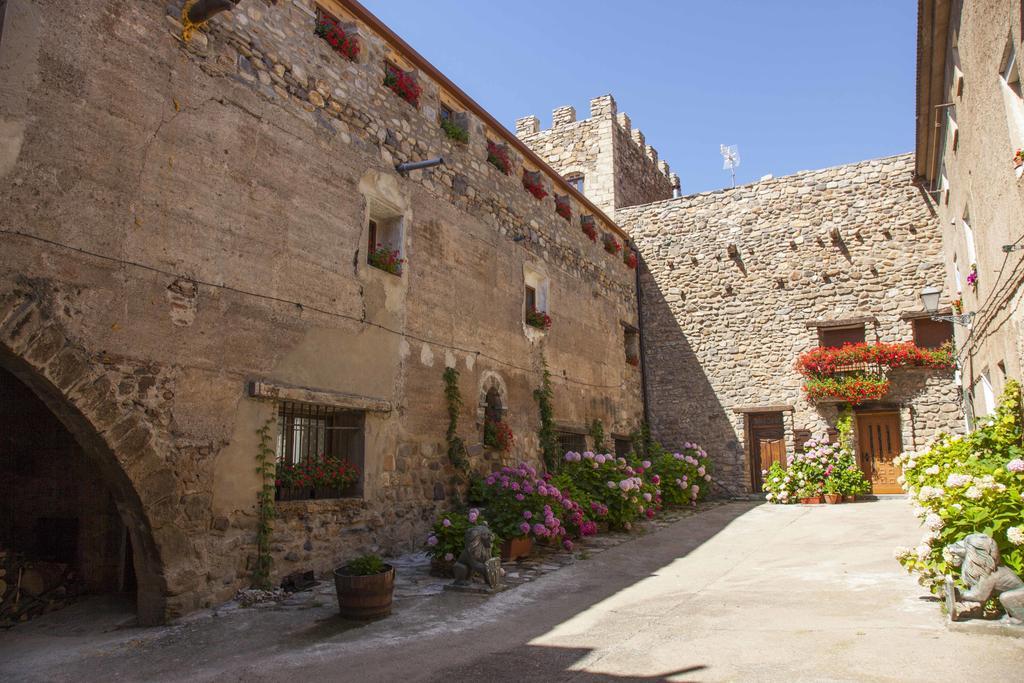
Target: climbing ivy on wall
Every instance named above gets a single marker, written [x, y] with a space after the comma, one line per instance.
[456, 447]
[597, 435]
[546, 433]
[844, 425]
[266, 465]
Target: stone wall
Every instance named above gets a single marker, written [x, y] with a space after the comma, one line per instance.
[733, 278]
[182, 219]
[619, 168]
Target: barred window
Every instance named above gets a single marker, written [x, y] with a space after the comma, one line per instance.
[571, 441]
[623, 446]
[309, 435]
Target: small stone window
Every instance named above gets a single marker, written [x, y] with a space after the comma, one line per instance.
[454, 124]
[623, 446]
[931, 334]
[576, 180]
[631, 342]
[571, 441]
[385, 241]
[319, 452]
[836, 337]
[535, 299]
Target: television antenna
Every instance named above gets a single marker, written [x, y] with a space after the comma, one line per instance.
[730, 159]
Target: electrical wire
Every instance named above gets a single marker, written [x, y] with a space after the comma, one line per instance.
[301, 306]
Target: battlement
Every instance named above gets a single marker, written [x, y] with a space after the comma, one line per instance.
[632, 173]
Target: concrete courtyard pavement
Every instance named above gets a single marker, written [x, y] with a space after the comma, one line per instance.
[742, 592]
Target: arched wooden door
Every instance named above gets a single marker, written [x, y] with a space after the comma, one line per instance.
[879, 442]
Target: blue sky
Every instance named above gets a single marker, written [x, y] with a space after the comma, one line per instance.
[797, 84]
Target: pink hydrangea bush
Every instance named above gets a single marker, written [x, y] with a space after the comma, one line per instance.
[684, 477]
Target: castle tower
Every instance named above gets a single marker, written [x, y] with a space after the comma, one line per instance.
[611, 160]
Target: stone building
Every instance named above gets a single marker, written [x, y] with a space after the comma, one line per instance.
[970, 126]
[603, 156]
[187, 236]
[739, 282]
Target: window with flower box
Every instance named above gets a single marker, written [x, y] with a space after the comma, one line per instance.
[385, 241]
[342, 40]
[454, 124]
[319, 452]
[402, 83]
[836, 337]
[571, 441]
[631, 343]
[535, 299]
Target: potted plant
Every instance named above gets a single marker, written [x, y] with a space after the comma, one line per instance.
[497, 156]
[833, 492]
[589, 227]
[387, 259]
[534, 184]
[972, 277]
[498, 435]
[630, 259]
[403, 84]
[538, 319]
[346, 45]
[633, 359]
[1018, 158]
[611, 245]
[365, 588]
[562, 206]
[454, 131]
[808, 495]
[314, 478]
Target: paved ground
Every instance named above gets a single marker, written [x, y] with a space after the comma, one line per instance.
[740, 592]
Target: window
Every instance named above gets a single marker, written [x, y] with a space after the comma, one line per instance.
[931, 334]
[445, 113]
[988, 397]
[454, 124]
[965, 223]
[576, 180]
[1013, 100]
[1009, 68]
[623, 446]
[631, 341]
[385, 240]
[571, 441]
[308, 434]
[3, 11]
[838, 336]
[531, 298]
[943, 186]
[535, 299]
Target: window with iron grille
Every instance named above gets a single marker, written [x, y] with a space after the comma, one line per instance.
[313, 443]
[571, 441]
[623, 446]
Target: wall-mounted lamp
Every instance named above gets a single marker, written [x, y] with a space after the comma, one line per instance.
[930, 299]
[417, 165]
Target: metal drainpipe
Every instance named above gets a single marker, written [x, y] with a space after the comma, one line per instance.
[204, 10]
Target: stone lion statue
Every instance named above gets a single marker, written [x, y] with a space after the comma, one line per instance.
[476, 558]
[985, 576]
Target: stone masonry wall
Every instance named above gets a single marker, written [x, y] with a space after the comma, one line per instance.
[619, 168]
[182, 219]
[732, 278]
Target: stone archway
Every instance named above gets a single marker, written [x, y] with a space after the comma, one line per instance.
[118, 443]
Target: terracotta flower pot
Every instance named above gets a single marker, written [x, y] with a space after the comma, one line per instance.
[365, 597]
[850, 499]
[514, 548]
[833, 498]
[811, 500]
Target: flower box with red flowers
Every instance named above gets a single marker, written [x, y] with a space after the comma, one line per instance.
[630, 259]
[387, 259]
[497, 156]
[1018, 158]
[315, 479]
[611, 245]
[633, 360]
[589, 227]
[343, 43]
[534, 184]
[498, 435]
[403, 84]
[538, 319]
[562, 207]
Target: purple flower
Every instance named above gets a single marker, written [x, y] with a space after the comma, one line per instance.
[646, 464]
[449, 557]
[566, 503]
[539, 530]
[474, 514]
[567, 544]
[527, 514]
[446, 522]
[431, 540]
[524, 527]
[1015, 465]
[520, 496]
[655, 480]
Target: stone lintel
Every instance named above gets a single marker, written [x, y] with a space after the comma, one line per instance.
[917, 315]
[777, 408]
[334, 399]
[844, 322]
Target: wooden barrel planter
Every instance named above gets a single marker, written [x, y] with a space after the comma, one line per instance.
[514, 548]
[364, 597]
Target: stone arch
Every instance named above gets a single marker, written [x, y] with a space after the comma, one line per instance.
[119, 443]
[493, 394]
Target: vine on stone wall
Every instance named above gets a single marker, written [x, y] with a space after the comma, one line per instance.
[844, 425]
[597, 435]
[266, 465]
[546, 433]
[456, 447]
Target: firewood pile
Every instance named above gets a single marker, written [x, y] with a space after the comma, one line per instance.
[30, 588]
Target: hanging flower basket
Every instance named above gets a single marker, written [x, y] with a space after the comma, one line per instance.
[344, 44]
[630, 259]
[534, 184]
[611, 245]
[497, 156]
[562, 207]
[403, 84]
[1018, 158]
[589, 227]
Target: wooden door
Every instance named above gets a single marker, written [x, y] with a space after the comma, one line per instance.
[879, 442]
[767, 445]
